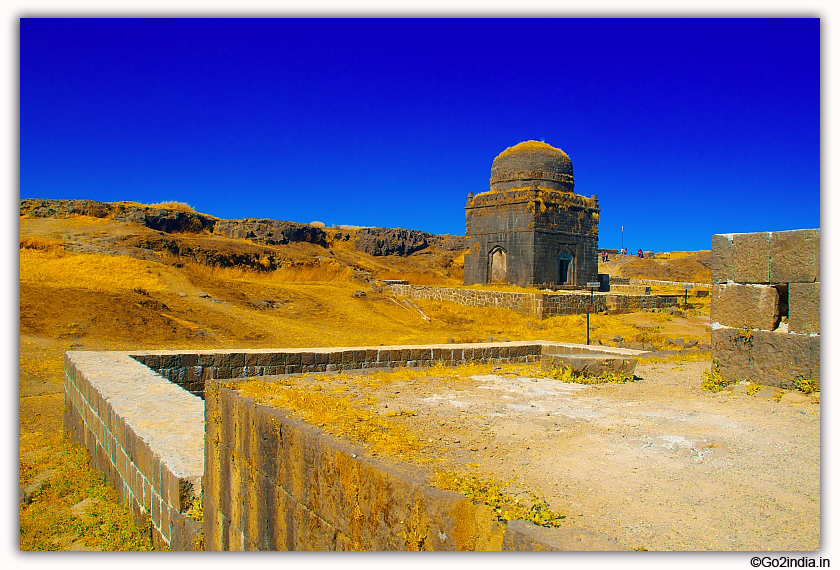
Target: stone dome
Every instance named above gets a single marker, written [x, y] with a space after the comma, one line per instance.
[532, 163]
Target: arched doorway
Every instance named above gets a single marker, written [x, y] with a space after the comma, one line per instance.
[566, 268]
[498, 265]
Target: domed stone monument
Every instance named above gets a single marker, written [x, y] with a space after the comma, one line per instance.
[531, 228]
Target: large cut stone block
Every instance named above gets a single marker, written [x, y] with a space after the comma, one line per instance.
[751, 257]
[731, 348]
[778, 358]
[590, 365]
[804, 307]
[795, 256]
[751, 306]
[815, 358]
[722, 268]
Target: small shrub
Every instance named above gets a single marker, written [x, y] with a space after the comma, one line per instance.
[485, 490]
[805, 384]
[565, 374]
[713, 380]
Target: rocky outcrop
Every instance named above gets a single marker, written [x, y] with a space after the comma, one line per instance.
[390, 241]
[261, 231]
[211, 251]
[399, 241]
[169, 220]
[271, 232]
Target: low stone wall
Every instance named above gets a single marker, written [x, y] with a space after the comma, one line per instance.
[542, 305]
[630, 289]
[760, 280]
[191, 369]
[276, 483]
[147, 435]
[522, 302]
[144, 433]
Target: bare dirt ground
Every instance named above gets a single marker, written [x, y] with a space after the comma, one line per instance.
[658, 464]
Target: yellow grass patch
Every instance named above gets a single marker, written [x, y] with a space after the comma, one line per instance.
[419, 278]
[95, 272]
[336, 415]
[331, 273]
[483, 489]
[57, 518]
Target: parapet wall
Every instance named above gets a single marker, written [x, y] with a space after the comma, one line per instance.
[144, 433]
[766, 306]
[276, 483]
[147, 435]
[542, 305]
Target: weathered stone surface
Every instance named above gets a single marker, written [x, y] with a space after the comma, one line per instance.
[778, 358]
[815, 359]
[767, 393]
[751, 306]
[391, 241]
[591, 365]
[804, 307]
[794, 256]
[751, 257]
[526, 536]
[732, 351]
[795, 398]
[271, 232]
[722, 268]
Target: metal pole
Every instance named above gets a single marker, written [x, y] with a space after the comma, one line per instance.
[587, 326]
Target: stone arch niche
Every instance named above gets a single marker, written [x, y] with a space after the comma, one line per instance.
[498, 265]
[566, 268]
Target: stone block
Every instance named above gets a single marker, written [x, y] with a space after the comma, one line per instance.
[778, 358]
[794, 256]
[732, 350]
[751, 257]
[804, 307]
[590, 365]
[722, 267]
[815, 358]
[526, 536]
[750, 306]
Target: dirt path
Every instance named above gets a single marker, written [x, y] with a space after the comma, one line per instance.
[658, 463]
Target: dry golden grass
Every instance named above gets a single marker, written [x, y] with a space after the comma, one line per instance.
[300, 274]
[93, 271]
[73, 504]
[43, 244]
[420, 278]
[337, 415]
[168, 205]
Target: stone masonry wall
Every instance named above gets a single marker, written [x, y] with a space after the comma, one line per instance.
[144, 433]
[758, 279]
[277, 483]
[542, 305]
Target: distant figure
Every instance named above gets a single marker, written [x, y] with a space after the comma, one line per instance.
[606, 257]
[641, 254]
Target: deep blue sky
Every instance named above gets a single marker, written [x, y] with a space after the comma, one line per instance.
[683, 128]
